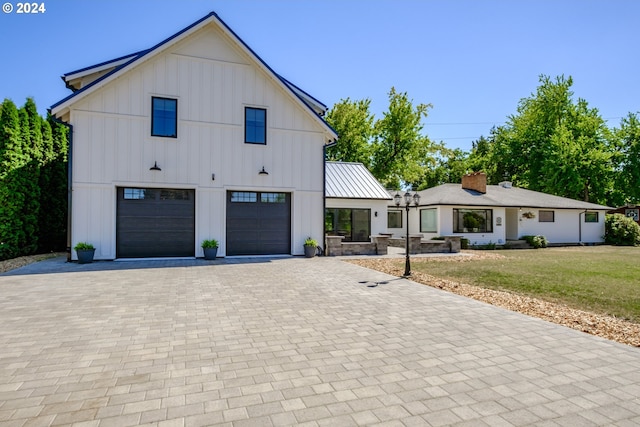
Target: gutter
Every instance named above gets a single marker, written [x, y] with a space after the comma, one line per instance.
[69, 180]
[324, 192]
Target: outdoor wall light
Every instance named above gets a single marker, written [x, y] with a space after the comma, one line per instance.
[263, 172]
[213, 177]
[155, 167]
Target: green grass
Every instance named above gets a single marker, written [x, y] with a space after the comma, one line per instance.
[600, 279]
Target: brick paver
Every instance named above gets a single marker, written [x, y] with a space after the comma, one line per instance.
[288, 341]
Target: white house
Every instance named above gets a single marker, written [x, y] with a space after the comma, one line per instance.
[356, 203]
[499, 213]
[192, 139]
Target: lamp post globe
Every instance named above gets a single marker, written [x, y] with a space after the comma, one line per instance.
[409, 199]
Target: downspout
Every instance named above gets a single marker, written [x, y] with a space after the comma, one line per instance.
[580, 227]
[69, 180]
[324, 193]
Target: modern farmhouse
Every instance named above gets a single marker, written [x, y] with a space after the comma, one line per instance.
[192, 139]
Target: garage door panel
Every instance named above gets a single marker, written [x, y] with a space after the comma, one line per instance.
[258, 223]
[155, 223]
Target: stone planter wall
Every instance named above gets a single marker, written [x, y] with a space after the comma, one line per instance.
[336, 247]
[450, 244]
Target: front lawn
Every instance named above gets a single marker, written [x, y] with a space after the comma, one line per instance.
[600, 279]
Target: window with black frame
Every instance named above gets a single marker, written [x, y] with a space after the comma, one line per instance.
[394, 219]
[164, 117]
[473, 221]
[353, 224]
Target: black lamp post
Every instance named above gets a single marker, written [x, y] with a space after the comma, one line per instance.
[408, 198]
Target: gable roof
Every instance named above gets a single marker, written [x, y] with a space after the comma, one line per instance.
[345, 180]
[497, 195]
[124, 63]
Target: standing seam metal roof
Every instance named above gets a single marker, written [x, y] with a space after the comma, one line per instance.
[352, 181]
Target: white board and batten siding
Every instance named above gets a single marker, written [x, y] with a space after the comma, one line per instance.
[213, 81]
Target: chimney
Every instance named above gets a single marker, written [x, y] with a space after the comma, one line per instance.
[476, 181]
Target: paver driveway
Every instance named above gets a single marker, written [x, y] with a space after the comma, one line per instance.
[289, 342]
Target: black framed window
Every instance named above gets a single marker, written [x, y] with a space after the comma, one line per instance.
[591, 217]
[353, 224]
[473, 221]
[546, 216]
[255, 125]
[428, 220]
[394, 219]
[273, 197]
[244, 197]
[164, 117]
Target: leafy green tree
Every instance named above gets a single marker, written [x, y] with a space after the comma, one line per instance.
[449, 167]
[555, 145]
[353, 122]
[627, 139]
[400, 150]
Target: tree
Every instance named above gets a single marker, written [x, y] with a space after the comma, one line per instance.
[450, 166]
[31, 124]
[354, 123]
[400, 151]
[393, 147]
[555, 145]
[12, 159]
[53, 200]
[627, 139]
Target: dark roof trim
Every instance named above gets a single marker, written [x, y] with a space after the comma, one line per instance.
[303, 91]
[358, 198]
[102, 64]
[465, 206]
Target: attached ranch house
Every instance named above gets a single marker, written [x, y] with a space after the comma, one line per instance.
[498, 214]
[193, 139]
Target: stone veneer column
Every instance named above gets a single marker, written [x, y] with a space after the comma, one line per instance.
[414, 244]
[382, 243]
[454, 243]
[334, 245]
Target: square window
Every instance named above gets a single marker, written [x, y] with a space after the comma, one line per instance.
[244, 197]
[353, 224]
[164, 117]
[273, 197]
[428, 221]
[546, 216]
[591, 217]
[255, 125]
[394, 219]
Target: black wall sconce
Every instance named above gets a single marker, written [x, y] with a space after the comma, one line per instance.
[263, 172]
[213, 177]
[155, 167]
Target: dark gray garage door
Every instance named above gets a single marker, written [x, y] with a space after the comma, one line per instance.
[155, 222]
[258, 223]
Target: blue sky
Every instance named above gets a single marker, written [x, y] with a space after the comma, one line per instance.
[473, 60]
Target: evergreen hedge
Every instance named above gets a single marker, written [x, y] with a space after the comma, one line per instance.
[33, 181]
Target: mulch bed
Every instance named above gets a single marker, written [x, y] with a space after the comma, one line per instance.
[11, 264]
[608, 327]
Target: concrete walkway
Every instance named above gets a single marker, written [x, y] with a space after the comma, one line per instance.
[291, 341]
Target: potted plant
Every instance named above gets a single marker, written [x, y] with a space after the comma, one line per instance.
[85, 252]
[310, 247]
[210, 247]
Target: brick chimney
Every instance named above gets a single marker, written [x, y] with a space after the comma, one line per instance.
[476, 181]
